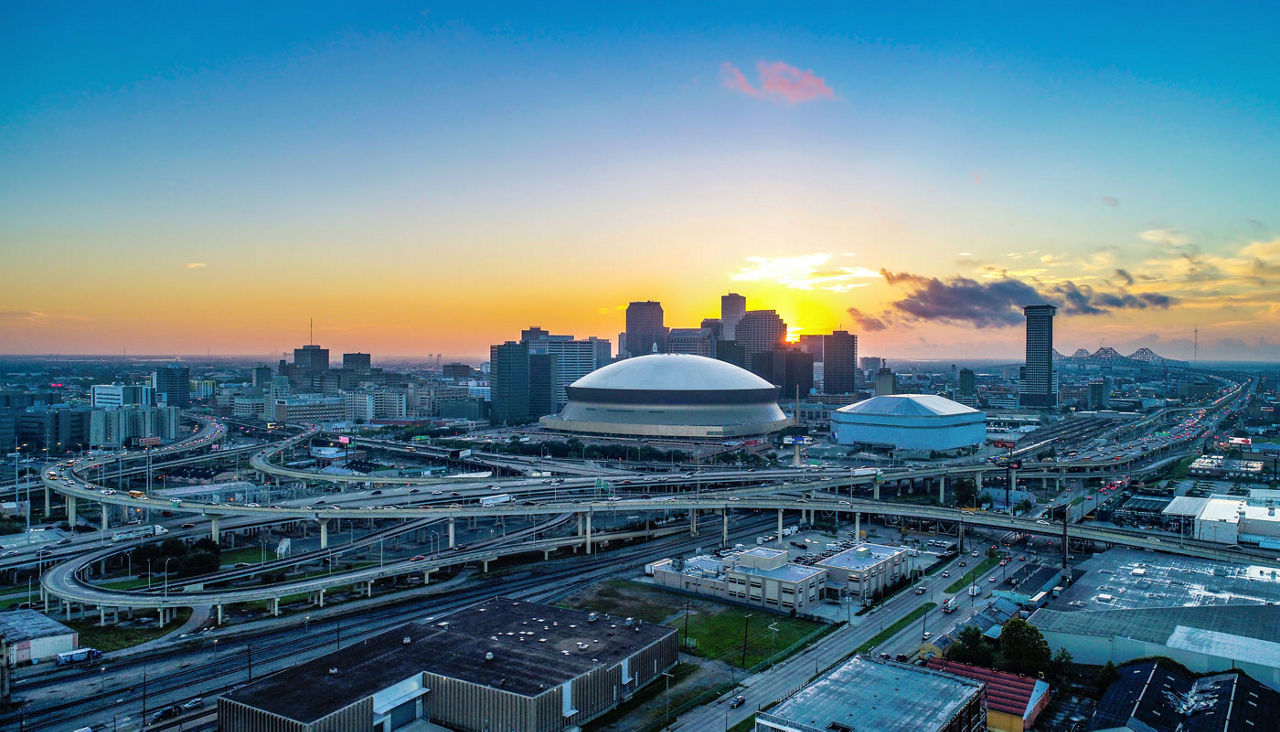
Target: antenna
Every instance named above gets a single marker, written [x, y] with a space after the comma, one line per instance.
[1195, 352]
[311, 330]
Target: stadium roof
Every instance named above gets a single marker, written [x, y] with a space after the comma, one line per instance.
[908, 405]
[671, 372]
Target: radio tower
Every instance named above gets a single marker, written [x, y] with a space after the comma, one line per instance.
[1195, 347]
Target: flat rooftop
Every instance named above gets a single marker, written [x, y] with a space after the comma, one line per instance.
[18, 626]
[870, 694]
[786, 573]
[861, 556]
[535, 647]
[1125, 579]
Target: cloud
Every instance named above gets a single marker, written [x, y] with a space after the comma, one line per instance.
[778, 82]
[804, 272]
[196, 265]
[20, 315]
[867, 321]
[1124, 275]
[1168, 236]
[999, 302]
[1111, 201]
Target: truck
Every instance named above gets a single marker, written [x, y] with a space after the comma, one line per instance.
[79, 655]
[864, 472]
[788, 531]
[950, 605]
[139, 532]
[495, 500]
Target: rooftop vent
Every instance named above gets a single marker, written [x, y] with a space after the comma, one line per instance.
[406, 640]
[488, 656]
[333, 671]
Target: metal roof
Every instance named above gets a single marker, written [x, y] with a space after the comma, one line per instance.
[908, 405]
[18, 626]
[671, 372]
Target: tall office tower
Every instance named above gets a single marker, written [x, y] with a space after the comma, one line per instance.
[871, 363]
[574, 359]
[886, 382]
[604, 351]
[1039, 383]
[968, 383]
[1100, 393]
[356, 361]
[839, 363]
[311, 358]
[790, 369]
[645, 332]
[262, 376]
[759, 331]
[693, 341]
[715, 326]
[730, 352]
[542, 385]
[509, 382]
[173, 384]
[812, 345]
[732, 307]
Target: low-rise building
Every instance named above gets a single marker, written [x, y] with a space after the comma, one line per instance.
[1013, 701]
[307, 408]
[758, 576]
[33, 637]
[870, 694]
[499, 665]
[865, 570]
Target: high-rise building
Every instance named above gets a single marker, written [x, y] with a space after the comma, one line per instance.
[122, 395]
[645, 330]
[509, 382]
[1100, 394]
[1039, 383]
[455, 371]
[262, 376]
[968, 383]
[172, 385]
[732, 308]
[693, 341]
[715, 326]
[311, 358]
[839, 363]
[356, 361]
[812, 345]
[759, 331]
[730, 352]
[789, 369]
[886, 382]
[543, 386]
[574, 358]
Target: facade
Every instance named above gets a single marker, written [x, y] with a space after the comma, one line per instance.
[759, 331]
[757, 576]
[105, 396]
[1039, 383]
[646, 333]
[543, 384]
[573, 359]
[732, 307]
[911, 422]
[791, 370]
[1226, 519]
[870, 694]
[509, 382]
[172, 385]
[58, 429]
[1013, 702]
[317, 408]
[864, 571]
[356, 361]
[33, 637]
[311, 358]
[691, 341]
[499, 665]
[670, 395]
[968, 383]
[839, 363]
[118, 426]
[886, 382]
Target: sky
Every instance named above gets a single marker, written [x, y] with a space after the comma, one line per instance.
[425, 178]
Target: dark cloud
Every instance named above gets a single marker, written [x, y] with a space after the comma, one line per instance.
[999, 302]
[1124, 275]
[1111, 201]
[867, 321]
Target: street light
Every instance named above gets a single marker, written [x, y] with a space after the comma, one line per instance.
[166, 576]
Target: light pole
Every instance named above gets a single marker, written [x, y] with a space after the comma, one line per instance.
[166, 577]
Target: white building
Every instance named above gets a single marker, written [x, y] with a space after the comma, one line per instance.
[106, 396]
[865, 570]
[35, 638]
[116, 426]
[1228, 519]
[910, 422]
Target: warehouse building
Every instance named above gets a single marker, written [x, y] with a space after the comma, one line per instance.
[756, 576]
[1013, 701]
[33, 637]
[1156, 697]
[1227, 519]
[499, 665]
[864, 570]
[913, 423]
[870, 694]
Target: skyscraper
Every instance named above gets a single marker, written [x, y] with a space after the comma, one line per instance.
[573, 359]
[356, 361]
[968, 383]
[645, 331]
[839, 363]
[509, 382]
[542, 385]
[694, 341]
[173, 384]
[732, 307]
[1039, 383]
[759, 331]
[311, 358]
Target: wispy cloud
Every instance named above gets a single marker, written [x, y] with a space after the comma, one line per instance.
[804, 272]
[1111, 201]
[196, 265]
[867, 321]
[1168, 236]
[21, 315]
[778, 82]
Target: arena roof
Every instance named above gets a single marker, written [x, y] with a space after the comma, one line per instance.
[908, 405]
[671, 372]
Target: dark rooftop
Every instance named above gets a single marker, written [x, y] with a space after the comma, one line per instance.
[535, 647]
[1157, 697]
[18, 626]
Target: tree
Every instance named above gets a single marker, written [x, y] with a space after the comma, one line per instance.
[966, 493]
[207, 545]
[1024, 649]
[173, 548]
[1059, 666]
[1106, 676]
[198, 562]
[971, 647]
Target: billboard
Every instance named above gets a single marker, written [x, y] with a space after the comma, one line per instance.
[344, 440]
[1241, 441]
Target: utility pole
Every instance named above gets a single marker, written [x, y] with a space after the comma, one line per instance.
[746, 622]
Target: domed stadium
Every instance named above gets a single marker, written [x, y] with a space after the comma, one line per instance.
[914, 422]
[670, 395]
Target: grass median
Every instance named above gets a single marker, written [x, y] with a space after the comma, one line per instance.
[896, 628]
[972, 575]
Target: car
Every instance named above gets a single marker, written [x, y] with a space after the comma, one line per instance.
[434, 493]
[376, 493]
[188, 525]
[1042, 522]
[974, 554]
[926, 635]
[415, 490]
[992, 578]
[963, 563]
[737, 701]
[252, 505]
[734, 498]
[885, 656]
[418, 558]
[946, 573]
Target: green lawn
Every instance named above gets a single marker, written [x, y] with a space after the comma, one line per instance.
[745, 725]
[249, 555]
[111, 638]
[972, 574]
[130, 583]
[896, 628]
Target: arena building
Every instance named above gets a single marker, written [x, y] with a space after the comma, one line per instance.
[670, 395]
[909, 422]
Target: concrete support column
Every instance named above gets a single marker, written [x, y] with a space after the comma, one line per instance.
[588, 535]
[106, 516]
[426, 577]
[324, 534]
[71, 510]
[450, 532]
[1013, 480]
[320, 598]
[724, 527]
[779, 527]
[857, 525]
[102, 616]
[368, 588]
[942, 489]
[219, 606]
[875, 491]
[693, 522]
[275, 606]
[215, 524]
[46, 499]
[486, 566]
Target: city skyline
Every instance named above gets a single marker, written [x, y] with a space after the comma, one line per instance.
[432, 181]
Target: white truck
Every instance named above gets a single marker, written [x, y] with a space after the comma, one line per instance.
[495, 500]
[139, 532]
[950, 605]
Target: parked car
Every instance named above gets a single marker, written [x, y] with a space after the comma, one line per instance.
[737, 701]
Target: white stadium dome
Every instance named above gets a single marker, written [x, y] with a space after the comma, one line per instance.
[915, 422]
[670, 395]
